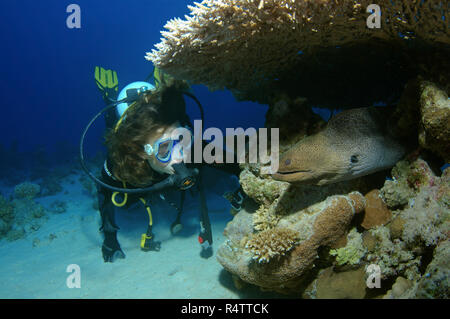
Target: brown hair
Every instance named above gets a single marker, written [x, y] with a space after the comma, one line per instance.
[156, 109]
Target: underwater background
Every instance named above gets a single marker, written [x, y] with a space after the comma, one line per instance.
[49, 96]
[49, 216]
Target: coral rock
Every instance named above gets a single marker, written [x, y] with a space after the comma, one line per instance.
[376, 213]
[408, 178]
[352, 253]
[272, 243]
[26, 190]
[396, 227]
[369, 241]
[435, 282]
[321, 224]
[434, 132]
[342, 285]
[402, 289]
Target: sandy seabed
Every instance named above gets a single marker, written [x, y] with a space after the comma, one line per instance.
[35, 266]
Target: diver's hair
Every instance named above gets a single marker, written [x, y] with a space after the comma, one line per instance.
[156, 109]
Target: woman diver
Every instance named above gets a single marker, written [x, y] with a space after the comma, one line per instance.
[146, 154]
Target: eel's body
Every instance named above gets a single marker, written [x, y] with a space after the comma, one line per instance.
[354, 143]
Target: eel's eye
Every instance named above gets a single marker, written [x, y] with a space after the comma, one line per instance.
[288, 161]
[354, 159]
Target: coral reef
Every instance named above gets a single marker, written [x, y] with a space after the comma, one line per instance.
[22, 214]
[246, 45]
[393, 257]
[401, 289]
[435, 282]
[26, 190]
[376, 213]
[276, 198]
[421, 222]
[404, 221]
[349, 284]
[434, 130]
[58, 207]
[422, 117]
[6, 215]
[263, 190]
[425, 209]
[353, 251]
[292, 54]
[272, 243]
[316, 226]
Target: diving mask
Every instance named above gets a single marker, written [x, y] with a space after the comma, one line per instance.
[179, 142]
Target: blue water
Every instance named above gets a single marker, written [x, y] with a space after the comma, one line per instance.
[48, 97]
[47, 77]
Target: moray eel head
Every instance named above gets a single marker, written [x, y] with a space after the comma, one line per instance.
[314, 160]
[353, 144]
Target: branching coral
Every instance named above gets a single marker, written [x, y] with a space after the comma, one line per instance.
[272, 244]
[265, 38]
[265, 218]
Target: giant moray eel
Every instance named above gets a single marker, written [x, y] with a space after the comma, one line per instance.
[354, 143]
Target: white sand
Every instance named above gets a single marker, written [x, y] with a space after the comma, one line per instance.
[176, 271]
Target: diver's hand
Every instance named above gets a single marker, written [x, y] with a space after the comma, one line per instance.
[111, 249]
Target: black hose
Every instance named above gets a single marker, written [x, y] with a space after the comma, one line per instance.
[168, 182]
[192, 96]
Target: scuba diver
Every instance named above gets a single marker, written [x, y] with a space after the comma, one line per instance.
[145, 156]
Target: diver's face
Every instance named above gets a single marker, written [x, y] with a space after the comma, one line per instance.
[164, 133]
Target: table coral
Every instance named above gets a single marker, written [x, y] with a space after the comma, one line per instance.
[248, 44]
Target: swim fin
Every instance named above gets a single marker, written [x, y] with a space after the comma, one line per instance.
[107, 82]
